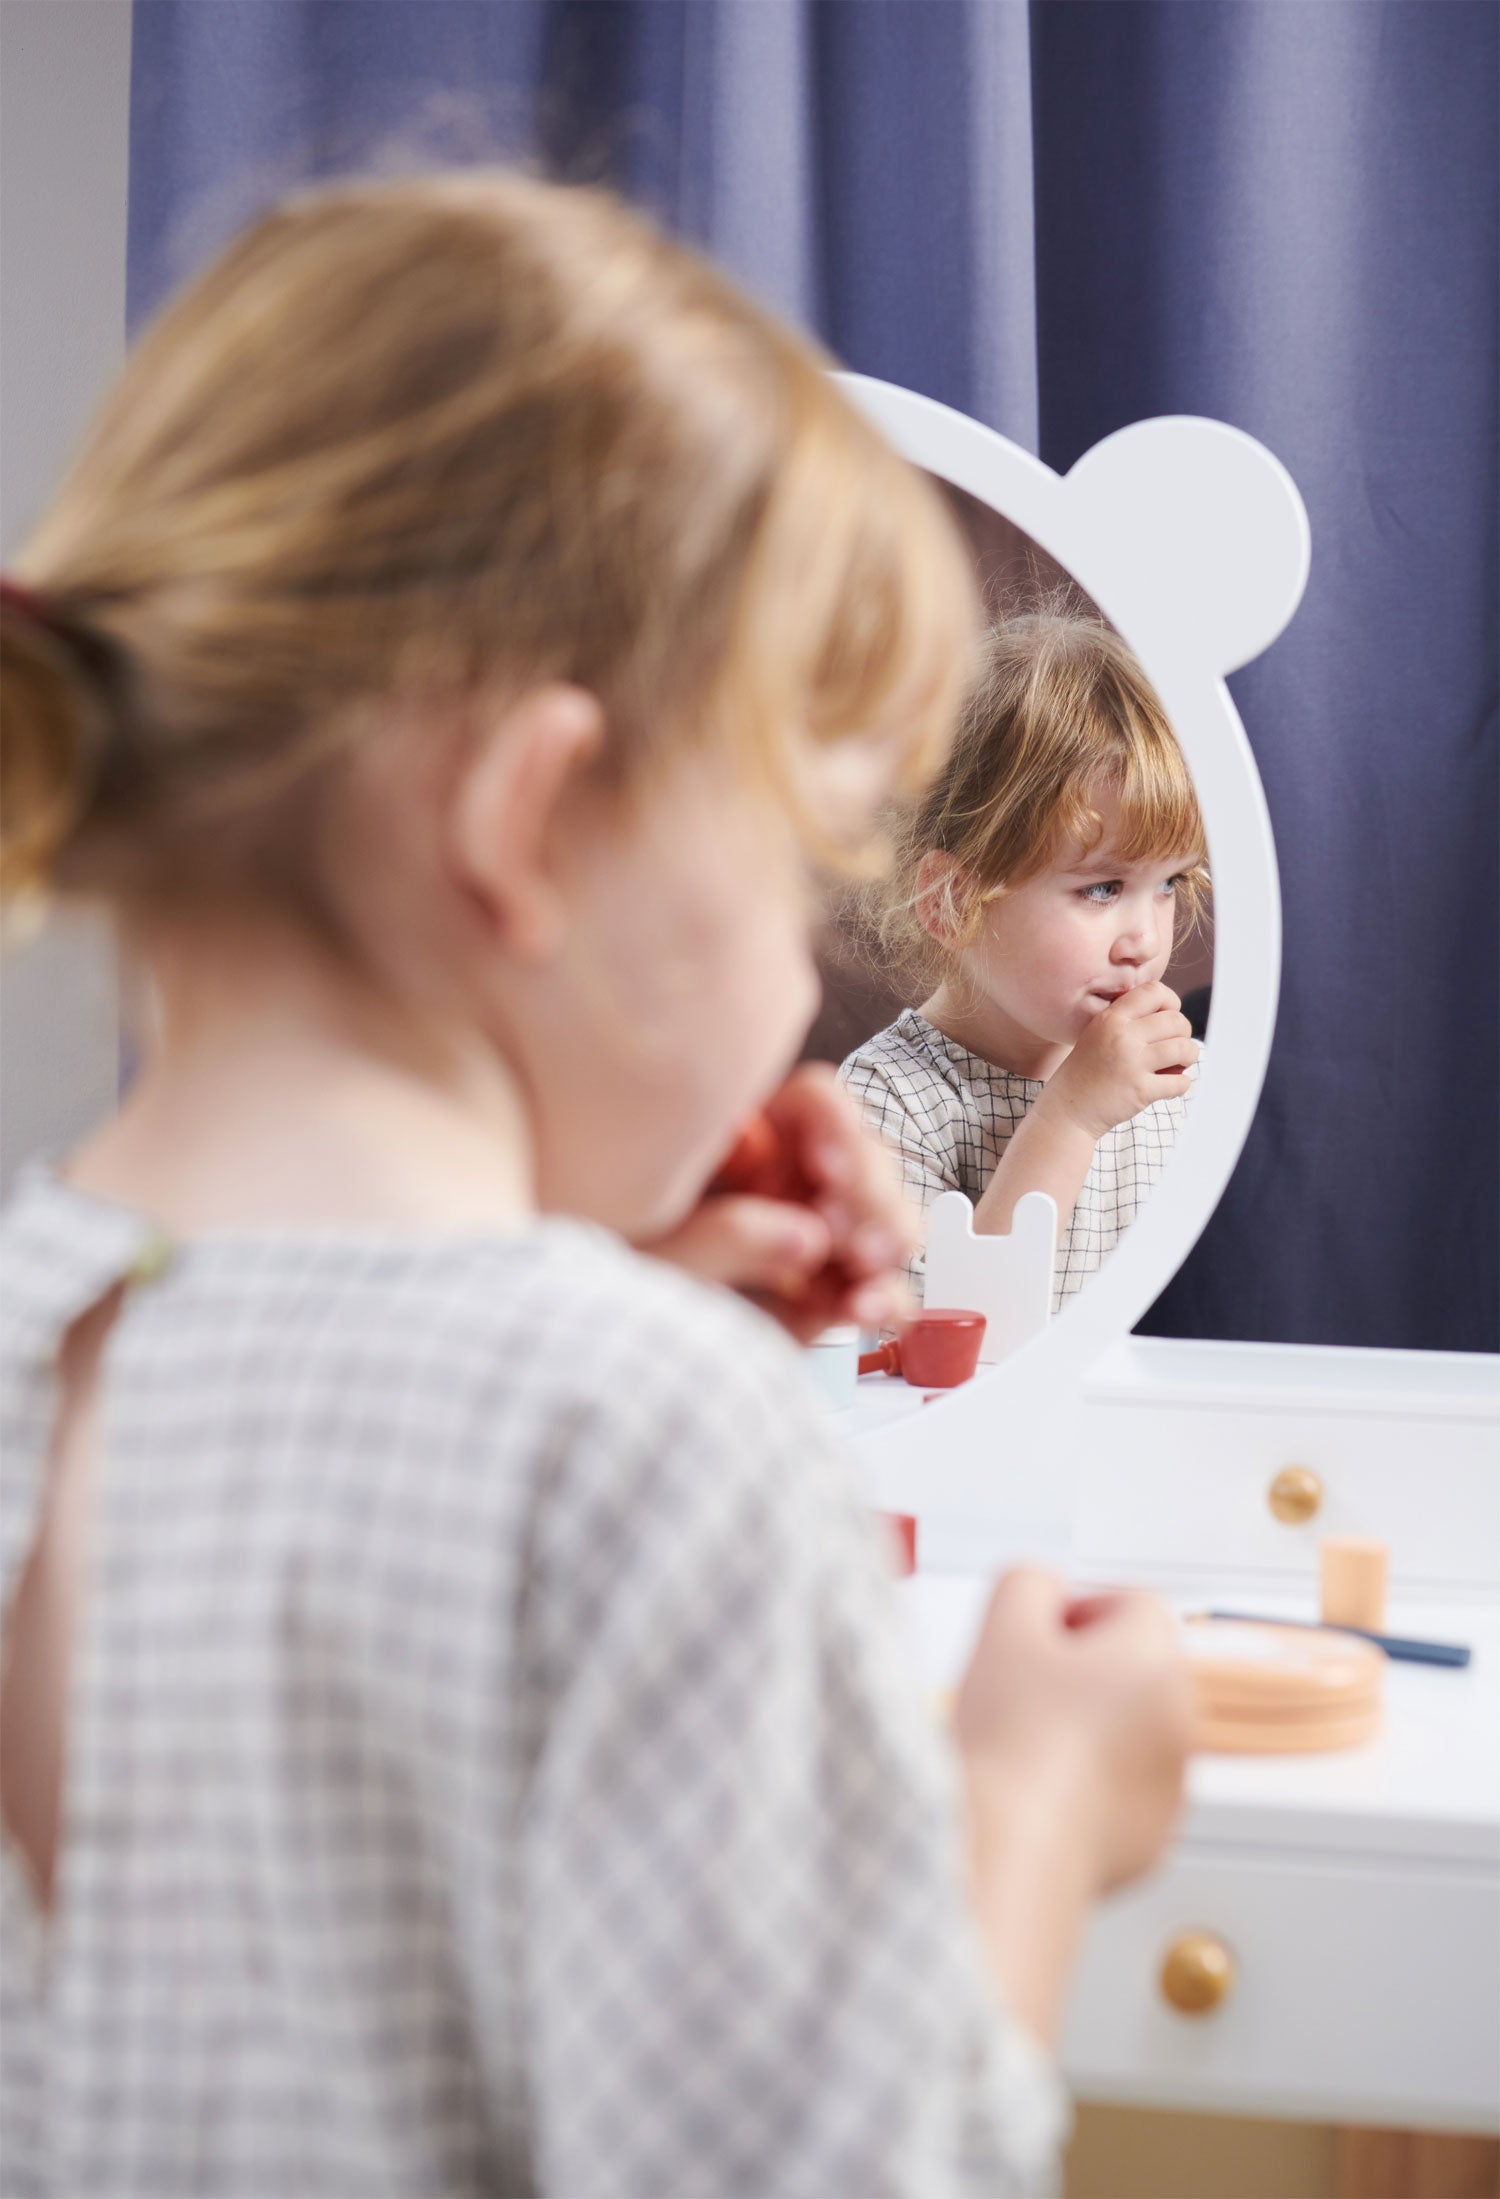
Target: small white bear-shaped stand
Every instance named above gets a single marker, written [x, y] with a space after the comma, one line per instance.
[1008, 1279]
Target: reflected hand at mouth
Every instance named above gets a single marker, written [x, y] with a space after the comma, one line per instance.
[1137, 1049]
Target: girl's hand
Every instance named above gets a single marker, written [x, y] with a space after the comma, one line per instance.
[1074, 1721]
[1078, 1710]
[806, 1216]
[1134, 1052]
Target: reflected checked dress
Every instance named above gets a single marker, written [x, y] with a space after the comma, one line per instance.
[947, 1115]
[495, 1765]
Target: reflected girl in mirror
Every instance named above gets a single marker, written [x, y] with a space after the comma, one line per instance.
[1032, 910]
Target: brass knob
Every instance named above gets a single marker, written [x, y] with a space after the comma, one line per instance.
[1295, 1495]
[1197, 1974]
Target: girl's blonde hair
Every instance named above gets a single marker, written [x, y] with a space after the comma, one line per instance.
[433, 441]
[1061, 714]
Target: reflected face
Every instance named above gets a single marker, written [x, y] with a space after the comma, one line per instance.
[1057, 950]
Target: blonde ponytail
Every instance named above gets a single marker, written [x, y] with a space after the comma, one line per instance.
[55, 711]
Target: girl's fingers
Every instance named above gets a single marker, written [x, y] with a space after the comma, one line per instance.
[827, 1304]
[884, 1302]
[1027, 1605]
[891, 1230]
[800, 1325]
[887, 1224]
[813, 1109]
[1166, 1023]
[880, 1302]
[853, 1181]
[875, 1246]
[1147, 1000]
[749, 1244]
[1164, 1051]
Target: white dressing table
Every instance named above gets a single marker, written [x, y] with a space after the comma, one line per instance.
[1339, 1915]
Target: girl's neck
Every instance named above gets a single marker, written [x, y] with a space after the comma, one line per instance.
[984, 1029]
[279, 1089]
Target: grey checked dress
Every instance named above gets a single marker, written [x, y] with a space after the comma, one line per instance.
[494, 1765]
[947, 1116]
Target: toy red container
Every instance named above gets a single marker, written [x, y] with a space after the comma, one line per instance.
[941, 1348]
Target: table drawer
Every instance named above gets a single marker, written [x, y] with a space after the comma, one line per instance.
[1357, 1994]
[1173, 1485]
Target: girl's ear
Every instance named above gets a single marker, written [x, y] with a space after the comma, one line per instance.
[523, 766]
[939, 898]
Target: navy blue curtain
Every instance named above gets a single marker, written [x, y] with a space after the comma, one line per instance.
[1062, 217]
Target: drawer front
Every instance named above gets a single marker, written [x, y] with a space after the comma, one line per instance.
[1178, 1485]
[1356, 1994]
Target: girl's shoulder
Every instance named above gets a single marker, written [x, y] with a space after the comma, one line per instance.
[915, 1058]
[459, 1375]
[908, 1039]
[558, 1301]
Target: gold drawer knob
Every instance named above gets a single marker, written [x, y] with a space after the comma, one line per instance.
[1295, 1495]
[1197, 1974]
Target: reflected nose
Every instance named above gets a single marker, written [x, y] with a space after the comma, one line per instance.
[1131, 947]
[1138, 941]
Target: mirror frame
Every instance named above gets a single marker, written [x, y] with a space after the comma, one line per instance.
[1193, 541]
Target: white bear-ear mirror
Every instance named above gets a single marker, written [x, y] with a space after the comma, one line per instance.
[1193, 542]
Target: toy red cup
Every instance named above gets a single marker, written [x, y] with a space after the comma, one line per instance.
[941, 1348]
[937, 1351]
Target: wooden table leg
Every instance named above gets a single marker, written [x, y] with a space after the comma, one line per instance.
[1416, 2164]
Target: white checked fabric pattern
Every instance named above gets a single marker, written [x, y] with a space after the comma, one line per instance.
[496, 1767]
[948, 1117]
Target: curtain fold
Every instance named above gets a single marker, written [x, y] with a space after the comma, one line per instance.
[1062, 217]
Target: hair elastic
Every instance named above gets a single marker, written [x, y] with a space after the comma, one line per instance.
[28, 603]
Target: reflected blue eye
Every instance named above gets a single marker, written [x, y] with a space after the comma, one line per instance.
[1105, 891]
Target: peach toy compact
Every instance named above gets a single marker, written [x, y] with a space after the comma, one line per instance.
[1260, 1688]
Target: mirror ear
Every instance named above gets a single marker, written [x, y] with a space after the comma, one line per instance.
[1202, 533]
[941, 898]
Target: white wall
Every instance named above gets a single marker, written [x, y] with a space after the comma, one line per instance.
[64, 163]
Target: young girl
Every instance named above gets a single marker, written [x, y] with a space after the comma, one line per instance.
[1034, 902]
[456, 1736]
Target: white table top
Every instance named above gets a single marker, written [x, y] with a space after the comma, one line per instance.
[1427, 1789]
